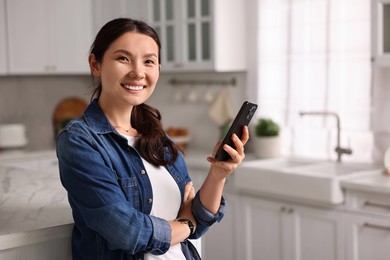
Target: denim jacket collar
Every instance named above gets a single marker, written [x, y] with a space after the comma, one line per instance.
[96, 119]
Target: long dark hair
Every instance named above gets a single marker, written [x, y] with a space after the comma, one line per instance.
[144, 118]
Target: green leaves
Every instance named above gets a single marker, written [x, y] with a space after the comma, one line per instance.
[267, 127]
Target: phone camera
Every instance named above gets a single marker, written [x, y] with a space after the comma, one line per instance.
[249, 116]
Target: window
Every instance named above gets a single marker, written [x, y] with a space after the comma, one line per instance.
[314, 55]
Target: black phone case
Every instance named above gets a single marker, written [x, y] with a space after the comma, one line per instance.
[242, 119]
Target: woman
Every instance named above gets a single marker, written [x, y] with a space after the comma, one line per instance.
[127, 183]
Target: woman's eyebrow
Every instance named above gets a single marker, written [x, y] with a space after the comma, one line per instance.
[122, 51]
[129, 54]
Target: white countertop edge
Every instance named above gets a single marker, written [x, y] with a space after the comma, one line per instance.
[26, 154]
[35, 236]
[356, 186]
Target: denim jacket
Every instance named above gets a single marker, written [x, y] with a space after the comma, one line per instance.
[111, 195]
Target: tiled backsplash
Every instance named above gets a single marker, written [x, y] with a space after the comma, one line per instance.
[31, 100]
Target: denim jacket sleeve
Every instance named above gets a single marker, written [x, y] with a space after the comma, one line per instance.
[204, 218]
[97, 198]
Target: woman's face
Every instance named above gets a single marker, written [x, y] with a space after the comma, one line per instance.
[129, 70]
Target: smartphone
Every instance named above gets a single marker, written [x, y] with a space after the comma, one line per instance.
[242, 119]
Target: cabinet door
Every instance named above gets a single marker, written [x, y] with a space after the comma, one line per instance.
[164, 17]
[368, 238]
[185, 31]
[200, 35]
[70, 36]
[318, 234]
[28, 36]
[3, 37]
[260, 229]
[380, 32]
[283, 231]
[197, 33]
[49, 36]
[104, 11]
[220, 240]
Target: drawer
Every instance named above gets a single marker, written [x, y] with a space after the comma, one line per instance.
[367, 202]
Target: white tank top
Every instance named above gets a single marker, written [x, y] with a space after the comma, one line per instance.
[166, 202]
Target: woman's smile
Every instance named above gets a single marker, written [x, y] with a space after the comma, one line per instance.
[135, 88]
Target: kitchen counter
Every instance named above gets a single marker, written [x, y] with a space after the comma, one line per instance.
[33, 203]
[34, 206]
[373, 181]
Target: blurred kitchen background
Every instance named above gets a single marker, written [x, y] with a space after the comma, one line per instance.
[288, 56]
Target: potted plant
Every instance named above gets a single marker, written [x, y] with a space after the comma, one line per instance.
[267, 138]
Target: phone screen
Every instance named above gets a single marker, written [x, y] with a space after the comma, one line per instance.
[242, 119]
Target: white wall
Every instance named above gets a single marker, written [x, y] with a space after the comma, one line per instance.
[381, 111]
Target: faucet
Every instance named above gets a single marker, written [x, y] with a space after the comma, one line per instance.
[339, 150]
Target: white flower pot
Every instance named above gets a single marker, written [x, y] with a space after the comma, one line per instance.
[267, 146]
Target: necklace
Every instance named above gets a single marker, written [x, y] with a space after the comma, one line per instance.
[126, 130]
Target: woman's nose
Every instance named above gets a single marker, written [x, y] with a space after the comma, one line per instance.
[137, 71]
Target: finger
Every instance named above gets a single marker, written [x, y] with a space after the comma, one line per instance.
[192, 193]
[216, 146]
[238, 144]
[187, 190]
[234, 154]
[245, 135]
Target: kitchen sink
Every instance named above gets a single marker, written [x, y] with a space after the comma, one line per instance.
[332, 168]
[303, 179]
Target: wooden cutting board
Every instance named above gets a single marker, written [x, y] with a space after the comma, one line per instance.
[67, 109]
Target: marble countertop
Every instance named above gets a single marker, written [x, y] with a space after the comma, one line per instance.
[31, 199]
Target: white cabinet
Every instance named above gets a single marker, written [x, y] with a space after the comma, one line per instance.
[200, 35]
[3, 37]
[49, 36]
[104, 11]
[380, 28]
[368, 237]
[367, 225]
[283, 231]
[220, 240]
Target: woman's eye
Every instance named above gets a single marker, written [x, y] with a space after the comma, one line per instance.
[149, 62]
[123, 58]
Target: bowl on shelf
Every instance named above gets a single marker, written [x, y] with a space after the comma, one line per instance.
[180, 136]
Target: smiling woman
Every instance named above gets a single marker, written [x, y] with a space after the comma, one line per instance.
[127, 182]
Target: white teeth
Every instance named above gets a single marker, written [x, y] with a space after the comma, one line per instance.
[133, 87]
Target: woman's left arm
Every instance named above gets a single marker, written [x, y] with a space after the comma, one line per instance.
[211, 191]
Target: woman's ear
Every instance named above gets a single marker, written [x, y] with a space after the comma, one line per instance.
[94, 65]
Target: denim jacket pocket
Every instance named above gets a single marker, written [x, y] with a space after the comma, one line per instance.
[129, 187]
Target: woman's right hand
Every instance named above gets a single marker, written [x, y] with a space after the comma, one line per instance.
[181, 232]
[188, 197]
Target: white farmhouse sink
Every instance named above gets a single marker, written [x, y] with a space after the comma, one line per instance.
[304, 179]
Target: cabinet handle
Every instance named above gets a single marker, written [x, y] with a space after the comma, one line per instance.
[375, 226]
[376, 205]
[287, 210]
